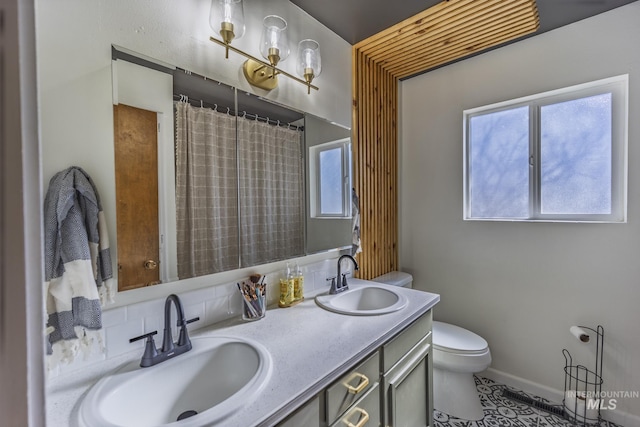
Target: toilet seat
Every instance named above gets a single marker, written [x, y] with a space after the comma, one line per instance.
[459, 350]
[454, 339]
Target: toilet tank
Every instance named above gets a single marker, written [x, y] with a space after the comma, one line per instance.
[396, 278]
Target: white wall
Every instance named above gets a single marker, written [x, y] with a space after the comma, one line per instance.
[74, 39]
[522, 285]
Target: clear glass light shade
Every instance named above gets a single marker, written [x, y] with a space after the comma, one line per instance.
[226, 17]
[309, 61]
[274, 45]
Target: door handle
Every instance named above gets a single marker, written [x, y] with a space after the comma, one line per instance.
[150, 264]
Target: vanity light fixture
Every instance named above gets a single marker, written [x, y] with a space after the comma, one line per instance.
[274, 46]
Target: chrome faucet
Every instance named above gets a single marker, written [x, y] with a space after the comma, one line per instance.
[152, 355]
[341, 284]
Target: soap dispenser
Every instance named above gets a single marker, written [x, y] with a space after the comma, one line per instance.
[298, 284]
[286, 288]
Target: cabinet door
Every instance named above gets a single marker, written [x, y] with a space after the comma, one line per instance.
[408, 401]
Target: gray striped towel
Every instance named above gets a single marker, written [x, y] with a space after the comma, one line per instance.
[356, 246]
[77, 264]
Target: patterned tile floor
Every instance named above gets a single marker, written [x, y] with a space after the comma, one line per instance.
[502, 412]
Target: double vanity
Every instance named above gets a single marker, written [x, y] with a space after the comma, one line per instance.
[358, 358]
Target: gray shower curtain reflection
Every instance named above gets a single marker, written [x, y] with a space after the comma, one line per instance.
[206, 191]
[267, 175]
[271, 192]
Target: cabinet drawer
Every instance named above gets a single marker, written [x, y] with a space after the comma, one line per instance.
[364, 413]
[351, 386]
[405, 341]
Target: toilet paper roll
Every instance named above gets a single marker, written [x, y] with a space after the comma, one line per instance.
[575, 402]
[579, 333]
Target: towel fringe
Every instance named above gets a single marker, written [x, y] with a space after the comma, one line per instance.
[107, 292]
[66, 351]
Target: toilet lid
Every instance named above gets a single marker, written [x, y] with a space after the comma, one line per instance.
[454, 338]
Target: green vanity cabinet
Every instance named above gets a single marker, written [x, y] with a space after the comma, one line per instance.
[390, 387]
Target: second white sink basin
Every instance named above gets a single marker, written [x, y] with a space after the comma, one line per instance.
[216, 378]
[363, 300]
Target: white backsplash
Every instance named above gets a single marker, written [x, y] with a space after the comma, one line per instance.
[212, 304]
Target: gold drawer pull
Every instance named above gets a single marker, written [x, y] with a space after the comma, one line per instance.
[363, 417]
[150, 264]
[364, 382]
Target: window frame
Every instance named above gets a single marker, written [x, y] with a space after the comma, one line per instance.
[618, 86]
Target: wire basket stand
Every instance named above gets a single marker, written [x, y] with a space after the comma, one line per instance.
[583, 387]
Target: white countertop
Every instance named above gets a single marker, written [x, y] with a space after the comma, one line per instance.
[310, 348]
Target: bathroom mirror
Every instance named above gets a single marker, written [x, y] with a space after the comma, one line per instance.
[255, 211]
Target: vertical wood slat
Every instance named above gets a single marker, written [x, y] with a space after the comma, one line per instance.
[375, 169]
[371, 190]
[393, 175]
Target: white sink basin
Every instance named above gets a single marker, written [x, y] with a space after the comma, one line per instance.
[216, 378]
[363, 300]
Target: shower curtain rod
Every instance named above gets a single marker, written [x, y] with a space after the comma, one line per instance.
[243, 114]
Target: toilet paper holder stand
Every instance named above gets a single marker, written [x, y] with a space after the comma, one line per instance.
[583, 386]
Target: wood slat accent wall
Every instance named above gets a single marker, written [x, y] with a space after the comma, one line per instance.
[375, 154]
[446, 32]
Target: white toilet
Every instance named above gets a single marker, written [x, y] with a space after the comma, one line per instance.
[457, 355]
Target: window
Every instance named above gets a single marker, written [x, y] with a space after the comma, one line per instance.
[556, 156]
[330, 182]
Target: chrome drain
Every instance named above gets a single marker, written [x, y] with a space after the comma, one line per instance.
[186, 414]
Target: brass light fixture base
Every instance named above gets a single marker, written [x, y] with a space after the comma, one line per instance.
[227, 34]
[270, 71]
[260, 75]
[308, 77]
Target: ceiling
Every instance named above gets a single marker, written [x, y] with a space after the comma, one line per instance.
[356, 20]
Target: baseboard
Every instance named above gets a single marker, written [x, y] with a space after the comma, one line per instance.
[553, 395]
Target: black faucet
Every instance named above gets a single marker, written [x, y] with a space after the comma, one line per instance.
[340, 284]
[152, 355]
